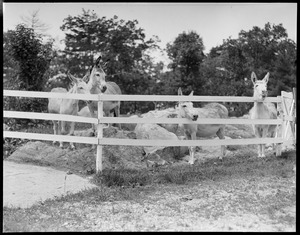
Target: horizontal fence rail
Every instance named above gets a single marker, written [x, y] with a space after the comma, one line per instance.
[186, 121]
[183, 98]
[50, 137]
[141, 142]
[71, 118]
[38, 94]
[49, 116]
[103, 97]
[174, 143]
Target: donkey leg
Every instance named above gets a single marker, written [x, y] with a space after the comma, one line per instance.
[54, 129]
[263, 146]
[192, 154]
[221, 135]
[61, 144]
[117, 114]
[63, 127]
[93, 115]
[192, 150]
[72, 133]
[258, 135]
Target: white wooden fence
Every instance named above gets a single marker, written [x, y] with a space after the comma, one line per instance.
[288, 116]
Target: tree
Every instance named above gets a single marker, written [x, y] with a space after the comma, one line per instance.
[32, 56]
[34, 22]
[186, 54]
[25, 48]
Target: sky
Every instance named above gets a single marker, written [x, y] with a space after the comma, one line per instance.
[214, 22]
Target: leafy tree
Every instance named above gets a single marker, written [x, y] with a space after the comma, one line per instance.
[32, 56]
[25, 48]
[186, 54]
[10, 66]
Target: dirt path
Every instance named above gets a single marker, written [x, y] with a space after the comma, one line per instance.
[25, 185]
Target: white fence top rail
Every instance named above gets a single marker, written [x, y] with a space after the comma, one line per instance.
[104, 97]
[38, 94]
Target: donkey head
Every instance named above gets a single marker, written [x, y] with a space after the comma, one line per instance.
[78, 85]
[260, 86]
[186, 108]
[96, 75]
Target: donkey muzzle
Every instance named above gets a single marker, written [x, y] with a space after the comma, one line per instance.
[103, 89]
[264, 94]
[195, 117]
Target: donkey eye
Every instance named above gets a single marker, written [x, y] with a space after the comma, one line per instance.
[184, 106]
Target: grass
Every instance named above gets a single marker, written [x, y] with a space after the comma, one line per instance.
[210, 170]
[71, 211]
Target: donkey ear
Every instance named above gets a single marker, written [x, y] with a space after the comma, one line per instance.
[253, 77]
[266, 78]
[179, 91]
[106, 63]
[86, 77]
[72, 78]
[98, 59]
[192, 93]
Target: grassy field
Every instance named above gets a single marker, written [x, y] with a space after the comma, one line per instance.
[240, 193]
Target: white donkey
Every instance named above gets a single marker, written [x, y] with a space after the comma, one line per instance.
[192, 131]
[97, 85]
[66, 106]
[262, 110]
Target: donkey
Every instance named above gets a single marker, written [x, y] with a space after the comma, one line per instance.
[192, 131]
[97, 85]
[262, 110]
[66, 106]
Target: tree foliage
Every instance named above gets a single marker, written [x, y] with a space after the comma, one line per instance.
[33, 57]
[186, 54]
[26, 62]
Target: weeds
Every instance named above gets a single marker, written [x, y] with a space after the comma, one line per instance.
[122, 177]
[210, 170]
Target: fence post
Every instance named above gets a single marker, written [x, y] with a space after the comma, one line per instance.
[99, 135]
[279, 132]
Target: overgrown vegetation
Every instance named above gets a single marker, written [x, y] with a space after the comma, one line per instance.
[210, 170]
